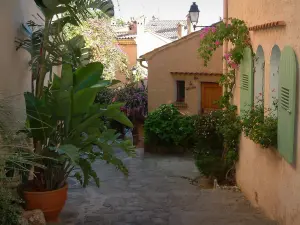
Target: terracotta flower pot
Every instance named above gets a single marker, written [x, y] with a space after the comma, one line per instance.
[50, 202]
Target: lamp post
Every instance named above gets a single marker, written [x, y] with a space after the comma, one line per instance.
[194, 15]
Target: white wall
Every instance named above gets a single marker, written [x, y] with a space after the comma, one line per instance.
[148, 41]
[15, 74]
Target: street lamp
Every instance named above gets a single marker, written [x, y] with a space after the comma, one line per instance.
[194, 15]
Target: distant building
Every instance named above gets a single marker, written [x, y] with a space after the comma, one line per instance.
[141, 36]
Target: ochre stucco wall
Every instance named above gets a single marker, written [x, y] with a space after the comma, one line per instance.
[131, 51]
[179, 57]
[15, 73]
[263, 175]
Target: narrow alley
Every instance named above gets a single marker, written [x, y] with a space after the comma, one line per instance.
[155, 193]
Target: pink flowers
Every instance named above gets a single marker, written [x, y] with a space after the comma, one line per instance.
[227, 56]
[206, 31]
[217, 43]
[202, 35]
[233, 65]
[230, 62]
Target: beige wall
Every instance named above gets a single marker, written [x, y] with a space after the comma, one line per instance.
[180, 56]
[263, 175]
[15, 75]
[130, 48]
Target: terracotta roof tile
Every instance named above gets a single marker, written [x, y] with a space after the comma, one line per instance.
[267, 25]
[126, 36]
[196, 73]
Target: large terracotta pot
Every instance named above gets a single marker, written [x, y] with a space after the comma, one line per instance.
[50, 202]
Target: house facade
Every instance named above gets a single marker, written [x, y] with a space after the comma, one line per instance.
[270, 178]
[177, 75]
[141, 36]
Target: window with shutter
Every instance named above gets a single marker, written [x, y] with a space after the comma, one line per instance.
[180, 91]
[287, 104]
[246, 81]
[274, 76]
[259, 75]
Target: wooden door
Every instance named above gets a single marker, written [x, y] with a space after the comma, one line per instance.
[210, 93]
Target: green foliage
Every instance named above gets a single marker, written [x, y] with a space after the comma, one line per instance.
[106, 96]
[10, 209]
[68, 126]
[216, 150]
[167, 127]
[133, 95]
[100, 38]
[48, 45]
[260, 124]
[228, 124]
[212, 38]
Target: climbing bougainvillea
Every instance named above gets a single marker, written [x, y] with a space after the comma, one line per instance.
[228, 123]
[213, 37]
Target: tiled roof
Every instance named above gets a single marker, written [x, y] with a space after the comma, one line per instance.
[126, 36]
[165, 28]
[196, 73]
[150, 54]
[268, 25]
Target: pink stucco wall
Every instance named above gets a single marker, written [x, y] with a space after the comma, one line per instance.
[263, 175]
[180, 56]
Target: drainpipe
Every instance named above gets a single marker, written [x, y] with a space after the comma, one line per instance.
[225, 46]
[141, 60]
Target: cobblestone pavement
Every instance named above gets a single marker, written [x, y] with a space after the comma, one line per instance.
[155, 194]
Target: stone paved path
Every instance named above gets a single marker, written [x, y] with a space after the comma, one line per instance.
[154, 194]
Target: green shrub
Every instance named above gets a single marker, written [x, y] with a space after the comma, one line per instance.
[216, 150]
[208, 151]
[167, 127]
[10, 209]
[260, 125]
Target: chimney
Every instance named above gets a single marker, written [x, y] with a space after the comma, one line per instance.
[189, 24]
[133, 28]
[140, 27]
[179, 30]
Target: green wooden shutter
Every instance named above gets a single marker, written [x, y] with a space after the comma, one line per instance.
[246, 81]
[287, 104]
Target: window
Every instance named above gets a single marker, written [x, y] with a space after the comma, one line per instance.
[259, 76]
[287, 111]
[180, 91]
[247, 83]
[274, 77]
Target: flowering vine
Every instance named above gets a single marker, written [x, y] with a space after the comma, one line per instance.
[228, 124]
[212, 38]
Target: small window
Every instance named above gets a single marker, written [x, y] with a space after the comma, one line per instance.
[180, 91]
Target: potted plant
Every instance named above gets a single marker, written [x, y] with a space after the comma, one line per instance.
[69, 127]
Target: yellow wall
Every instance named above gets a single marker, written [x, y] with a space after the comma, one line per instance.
[130, 48]
[263, 175]
[180, 56]
[15, 75]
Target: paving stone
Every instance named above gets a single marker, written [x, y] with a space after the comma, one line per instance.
[155, 194]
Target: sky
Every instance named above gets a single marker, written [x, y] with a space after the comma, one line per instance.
[210, 10]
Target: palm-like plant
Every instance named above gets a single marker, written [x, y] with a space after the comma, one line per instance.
[47, 44]
[71, 128]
